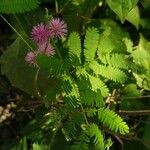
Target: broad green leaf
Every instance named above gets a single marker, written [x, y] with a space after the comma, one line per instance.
[21, 74]
[141, 57]
[13, 65]
[134, 17]
[122, 7]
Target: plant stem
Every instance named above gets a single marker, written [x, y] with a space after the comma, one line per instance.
[17, 32]
[36, 82]
[136, 97]
[56, 6]
[134, 112]
[60, 11]
[57, 51]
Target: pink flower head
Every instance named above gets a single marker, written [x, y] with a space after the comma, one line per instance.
[40, 33]
[31, 57]
[46, 48]
[58, 28]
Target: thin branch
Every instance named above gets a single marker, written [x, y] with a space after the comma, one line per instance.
[138, 97]
[129, 137]
[119, 140]
[17, 32]
[36, 82]
[56, 6]
[134, 112]
[60, 11]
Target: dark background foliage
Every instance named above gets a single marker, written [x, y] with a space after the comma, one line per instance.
[22, 125]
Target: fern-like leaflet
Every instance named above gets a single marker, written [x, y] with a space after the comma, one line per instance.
[74, 44]
[108, 72]
[91, 43]
[112, 121]
[94, 131]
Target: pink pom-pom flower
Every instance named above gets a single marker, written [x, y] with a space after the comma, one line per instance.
[40, 33]
[58, 28]
[46, 48]
[31, 57]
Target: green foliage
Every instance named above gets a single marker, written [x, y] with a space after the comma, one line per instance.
[146, 134]
[115, 60]
[91, 43]
[141, 57]
[134, 17]
[71, 91]
[16, 69]
[111, 38]
[74, 44]
[98, 72]
[122, 8]
[94, 132]
[97, 84]
[22, 144]
[19, 72]
[17, 6]
[112, 121]
[89, 6]
[54, 66]
[109, 72]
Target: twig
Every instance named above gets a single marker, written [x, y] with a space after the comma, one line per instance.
[17, 33]
[138, 97]
[60, 11]
[134, 112]
[36, 82]
[56, 6]
[119, 140]
[125, 137]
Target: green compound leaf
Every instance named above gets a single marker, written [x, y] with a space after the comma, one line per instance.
[91, 43]
[53, 65]
[74, 44]
[109, 72]
[94, 132]
[113, 121]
